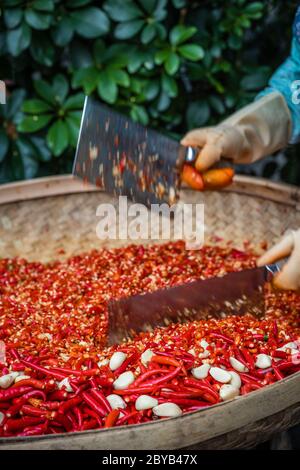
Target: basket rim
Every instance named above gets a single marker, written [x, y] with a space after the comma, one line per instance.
[211, 413]
[281, 394]
[50, 186]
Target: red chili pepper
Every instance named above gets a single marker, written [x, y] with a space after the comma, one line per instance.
[166, 361]
[111, 418]
[94, 404]
[9, 393]
[69, 404]
[98, 395]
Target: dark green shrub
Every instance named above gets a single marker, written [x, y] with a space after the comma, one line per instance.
[170, 64]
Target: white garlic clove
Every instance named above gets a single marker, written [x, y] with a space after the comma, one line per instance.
[220, 375]
[123, 381]
[65, 385]
[102, 363]
[235, 379]
[8, 379]
[116, 401]
[145, 402]
[228, 391]
[238, 365]
[201, 372]
[22, 377]
[263, 361]
[117, 360]
[167, 410]
[146, 356]
[204, 344]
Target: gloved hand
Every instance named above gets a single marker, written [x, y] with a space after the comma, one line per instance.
[289, 277]
[256, 130]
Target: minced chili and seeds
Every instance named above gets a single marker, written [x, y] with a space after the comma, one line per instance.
[58, 375]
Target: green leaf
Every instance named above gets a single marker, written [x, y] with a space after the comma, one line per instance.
[27, 153]
[14, 103]
[191, 52]
[18, 39]
[151, 89]
[122, 10]
[169, 86]
[139, 114]
[148, 5]
[77, 3]
[87, 78]
[60, 88]
[63, 32]
[107, 87]
[179, 3]
[4, 144]
[148, 33]
[34, 123]
[42, 49]
[73, 124]
[163, 102]
[12, 17]
[43, 5]
[180, 34]
[58, 137]
[160, 11]
[172, 63]
[90, 22]
[35, 106]
[197, 114]
[217, 104]
[42, 151]
[256, 80]
[161, 56]
[44, 90]
[74, 102]
[120, 77]
[136, 58]
[128, 29]
[37, 20]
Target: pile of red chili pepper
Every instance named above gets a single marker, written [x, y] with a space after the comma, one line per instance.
[56, 375]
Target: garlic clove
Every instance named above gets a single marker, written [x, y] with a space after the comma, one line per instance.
[123, 381]
[228, 391]
[201, 372]
[220, 375]
[167, 410]
[117, 360]
[145, 402]
[263, 361]
[116, 401]
[238, 365]
[235, 379]
[146, 356]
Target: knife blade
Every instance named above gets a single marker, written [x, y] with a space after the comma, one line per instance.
[126, 158]
[235, 293]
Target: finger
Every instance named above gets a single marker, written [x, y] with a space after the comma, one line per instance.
[209, 155]
[194, 138]
[279, 251]
[289, 276]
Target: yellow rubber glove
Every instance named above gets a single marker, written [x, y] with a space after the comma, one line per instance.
[255, 131]
[289, 277]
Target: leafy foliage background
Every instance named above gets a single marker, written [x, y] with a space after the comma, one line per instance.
[169, 64]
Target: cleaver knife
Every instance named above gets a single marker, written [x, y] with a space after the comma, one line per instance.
[126, 158]
[235, 293]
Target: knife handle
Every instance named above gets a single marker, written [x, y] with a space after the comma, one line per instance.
[192, 153]
[272, 269]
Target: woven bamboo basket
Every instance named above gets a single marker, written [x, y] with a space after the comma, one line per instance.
[40, 218]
